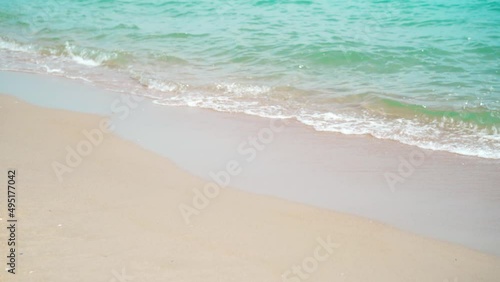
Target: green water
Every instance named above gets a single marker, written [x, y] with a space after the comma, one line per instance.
[424, 73]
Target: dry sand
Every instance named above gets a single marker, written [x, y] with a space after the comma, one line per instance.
[116, 217]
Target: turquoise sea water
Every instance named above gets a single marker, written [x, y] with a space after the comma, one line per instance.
[424, 73]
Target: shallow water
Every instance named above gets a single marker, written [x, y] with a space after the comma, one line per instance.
[424, 73]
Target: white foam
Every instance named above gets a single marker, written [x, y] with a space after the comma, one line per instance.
[85, 62]
[242, 90]
[86, 57]
[442, 134]
[439, 135]
[162, 86]
[50, 70]
[13, 46]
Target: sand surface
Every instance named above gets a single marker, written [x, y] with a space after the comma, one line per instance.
[115, 217]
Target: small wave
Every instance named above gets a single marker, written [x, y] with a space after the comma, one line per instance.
[13, 46]
[361, 115]
[240, 90]
[163, 86]
[440, 133]
[88, 57]
[85, 62]
[83, 56]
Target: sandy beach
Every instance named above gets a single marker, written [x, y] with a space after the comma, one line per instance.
[117, 216]
[215, 141]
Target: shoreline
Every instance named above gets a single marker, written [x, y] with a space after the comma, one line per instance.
[436, 194]
[117, 214]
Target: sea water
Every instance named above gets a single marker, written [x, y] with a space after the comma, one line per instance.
[423, 73]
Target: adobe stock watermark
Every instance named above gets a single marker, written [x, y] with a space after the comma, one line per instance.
[92, 138]
[310, 264]
[407, 166]
[247, 149]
